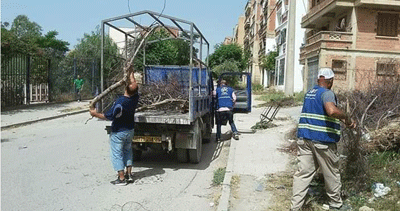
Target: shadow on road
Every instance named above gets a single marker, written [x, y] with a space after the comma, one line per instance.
[161, 159]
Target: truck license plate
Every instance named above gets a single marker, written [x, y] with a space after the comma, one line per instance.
[143, 139]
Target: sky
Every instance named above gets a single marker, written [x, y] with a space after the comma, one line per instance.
[216, 19]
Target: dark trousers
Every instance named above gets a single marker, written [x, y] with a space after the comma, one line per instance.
[78, 94]
[224, 116]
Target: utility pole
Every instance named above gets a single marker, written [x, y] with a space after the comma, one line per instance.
[289, 77]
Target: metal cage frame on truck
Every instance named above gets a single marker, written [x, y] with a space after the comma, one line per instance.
[159, 20]
[186, 134]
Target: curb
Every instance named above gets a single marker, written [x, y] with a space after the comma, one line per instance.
[43, 119]
[223, 204]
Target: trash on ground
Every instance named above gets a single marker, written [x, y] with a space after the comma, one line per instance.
[380, 190]
[325, 207]
[365, 208]
[259, 187]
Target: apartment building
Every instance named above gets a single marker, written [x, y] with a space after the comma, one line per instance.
[258, 35]
[238, 34]
[358, 39]
[287, 64]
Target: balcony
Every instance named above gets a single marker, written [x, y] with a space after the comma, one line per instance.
[263, 28]
[323, 10]
[325, 40]
[247, 23]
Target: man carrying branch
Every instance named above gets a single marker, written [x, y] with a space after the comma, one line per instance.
[122, 129]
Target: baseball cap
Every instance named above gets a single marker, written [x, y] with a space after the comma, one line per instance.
[326, 72]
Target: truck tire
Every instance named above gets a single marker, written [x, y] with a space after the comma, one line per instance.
[182, 155]
[207, 130]
[195, 154]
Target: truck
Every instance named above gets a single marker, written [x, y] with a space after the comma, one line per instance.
[175, 131]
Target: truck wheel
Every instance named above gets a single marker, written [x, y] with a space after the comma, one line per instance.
[195, 154]
[137, 155]
[181, 155]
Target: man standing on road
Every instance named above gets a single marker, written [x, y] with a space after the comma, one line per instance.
[318, 133]
[226, 99]
[122, 128]
[78, 82]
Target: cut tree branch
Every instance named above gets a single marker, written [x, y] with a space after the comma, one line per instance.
[160, 104]
[127, 70]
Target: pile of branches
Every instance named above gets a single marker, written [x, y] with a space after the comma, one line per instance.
[163, 95]
[376, 110]
[385, 139]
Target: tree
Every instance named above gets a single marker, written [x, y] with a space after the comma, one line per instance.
[25, 37]
[85, 57]
[51, 44]
[23, 28]
[268, 61]
[165, 52]
[227, 58]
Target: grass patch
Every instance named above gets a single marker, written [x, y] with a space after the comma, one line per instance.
[219, 175]
[257, 89]
[384, 168]
[280, 185]
[235, 181]
[276, 97]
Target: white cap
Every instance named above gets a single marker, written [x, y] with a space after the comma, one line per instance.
[326, 72]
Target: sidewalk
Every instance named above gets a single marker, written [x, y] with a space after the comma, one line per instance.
[36, 113]
[253, 157]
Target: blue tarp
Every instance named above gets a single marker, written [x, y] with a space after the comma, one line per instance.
[181, 74]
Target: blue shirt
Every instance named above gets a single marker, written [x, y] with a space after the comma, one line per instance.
[122, 113]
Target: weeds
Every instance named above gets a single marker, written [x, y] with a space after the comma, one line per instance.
[275, 97]
[262, 125]
[257, 89]
[280, 185]
[219, 175]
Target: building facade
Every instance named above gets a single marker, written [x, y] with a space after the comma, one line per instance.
[358, 39]
[238, 33]
[264, 29]
[287, 64]
[258, 39]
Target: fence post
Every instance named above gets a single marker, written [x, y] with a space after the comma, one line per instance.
[74, 75]
[48, 80]
[92, 76]
[28, 82]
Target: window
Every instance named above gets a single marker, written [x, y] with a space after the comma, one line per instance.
[339, 68]
[387, 24]
[281, 75]
[385, 69]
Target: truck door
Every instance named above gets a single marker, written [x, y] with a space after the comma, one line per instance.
[241, 83]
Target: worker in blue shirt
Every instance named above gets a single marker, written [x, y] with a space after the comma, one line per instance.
[318, 133]
[122, 116]
[226, 99]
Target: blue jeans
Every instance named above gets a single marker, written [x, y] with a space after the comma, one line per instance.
[121, 149]
[220, 116]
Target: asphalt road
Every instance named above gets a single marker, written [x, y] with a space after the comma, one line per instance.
[63, 164]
